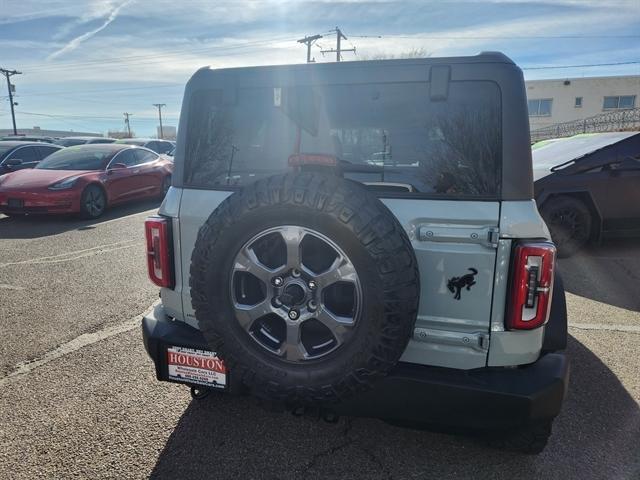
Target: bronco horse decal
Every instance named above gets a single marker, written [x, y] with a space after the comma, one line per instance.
[456, 284]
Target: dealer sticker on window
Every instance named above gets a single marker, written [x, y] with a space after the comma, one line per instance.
[199, 367]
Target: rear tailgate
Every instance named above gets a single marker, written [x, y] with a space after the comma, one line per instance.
[453, 240]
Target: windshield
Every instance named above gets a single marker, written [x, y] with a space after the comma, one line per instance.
[390, 133]
[77, 158]
[70, 142]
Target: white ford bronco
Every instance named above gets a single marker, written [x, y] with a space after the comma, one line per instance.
[361, 238]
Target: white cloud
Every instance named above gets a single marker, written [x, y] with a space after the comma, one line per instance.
[75, 42]
[472, 39]
[172, 39]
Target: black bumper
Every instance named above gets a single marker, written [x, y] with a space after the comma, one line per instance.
[481, 398]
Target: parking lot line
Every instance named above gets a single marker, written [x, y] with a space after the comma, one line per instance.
[24, 368]
[74, 255]
[609, 328]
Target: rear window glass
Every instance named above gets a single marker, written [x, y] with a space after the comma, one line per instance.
[391, 136]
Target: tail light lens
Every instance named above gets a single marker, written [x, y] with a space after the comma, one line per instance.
[532, 286]
[157, 231]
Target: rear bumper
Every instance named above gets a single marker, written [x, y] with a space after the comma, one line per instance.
[481, 398]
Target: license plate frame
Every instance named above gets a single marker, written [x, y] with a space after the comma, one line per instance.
[193, 366]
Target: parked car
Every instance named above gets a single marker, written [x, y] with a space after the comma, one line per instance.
[28, 138]
[71, 141]
[158, 146]
[16, 155]
[296, 265]
[588, 187]
[86, 179]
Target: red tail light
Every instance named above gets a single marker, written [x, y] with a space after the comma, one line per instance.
[159, 251]
[532, 285]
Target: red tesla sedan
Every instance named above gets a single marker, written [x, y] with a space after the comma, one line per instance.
[86, 179]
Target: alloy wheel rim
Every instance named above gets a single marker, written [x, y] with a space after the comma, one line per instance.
[295, 293]
[568, 226]
[94, 202]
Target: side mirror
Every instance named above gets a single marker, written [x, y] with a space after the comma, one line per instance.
[13, 162]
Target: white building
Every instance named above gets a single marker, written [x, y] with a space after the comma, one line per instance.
[168, 132]
[564, 100]
[47, 133]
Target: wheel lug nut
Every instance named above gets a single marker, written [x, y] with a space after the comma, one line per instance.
[293, 314]
[277, 281]
[312, 285]
[312, 306]
[277, 302]
[295, 273]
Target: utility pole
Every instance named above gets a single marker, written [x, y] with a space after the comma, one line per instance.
[8, 74]
[308, 41]
[126, 122]
[159, 106]
[338, 50]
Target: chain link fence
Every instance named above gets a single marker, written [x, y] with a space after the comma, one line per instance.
[615, 121]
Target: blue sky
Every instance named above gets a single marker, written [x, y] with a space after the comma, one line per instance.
[86, 62]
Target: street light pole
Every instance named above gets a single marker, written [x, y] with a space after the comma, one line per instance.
[159, 106]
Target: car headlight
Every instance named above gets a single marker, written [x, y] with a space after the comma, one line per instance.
[63, 184]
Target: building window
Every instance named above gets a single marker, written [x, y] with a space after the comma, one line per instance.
[540, 107]
[578, 103]
[619, 101]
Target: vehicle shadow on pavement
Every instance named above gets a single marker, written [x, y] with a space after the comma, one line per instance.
[608, 273]
[597, 435]
[37, 226]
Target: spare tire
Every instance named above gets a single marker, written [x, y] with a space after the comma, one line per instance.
[307, 287]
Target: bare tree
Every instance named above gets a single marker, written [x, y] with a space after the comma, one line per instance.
[465, 158]
[210, 151]
[417, 52]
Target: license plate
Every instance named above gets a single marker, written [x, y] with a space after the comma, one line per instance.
[15, 203]
[198, 367]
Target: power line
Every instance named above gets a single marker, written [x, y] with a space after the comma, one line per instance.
[550, 67]
[101, 90]
[493, 37]
[80, 117]
[165, 54]
[8, 74]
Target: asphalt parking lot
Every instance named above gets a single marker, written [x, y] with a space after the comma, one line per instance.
[79, 399]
